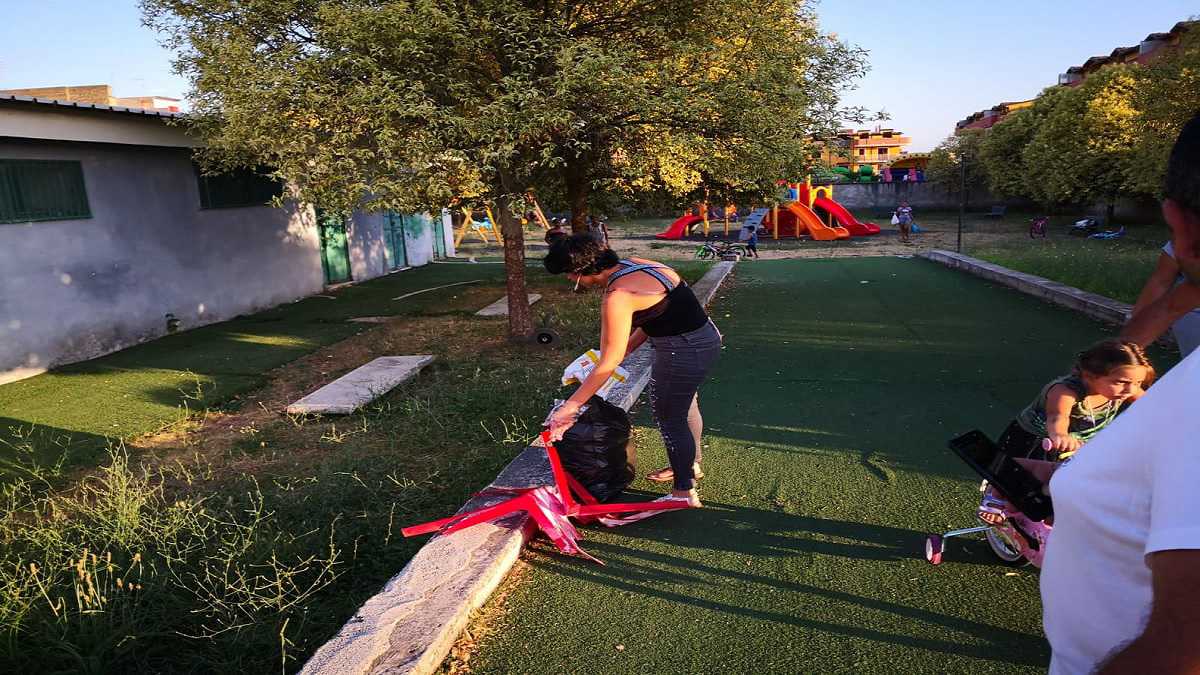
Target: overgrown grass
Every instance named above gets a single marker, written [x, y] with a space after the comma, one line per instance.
[247, 555]
[117, 576]
[1116, 268]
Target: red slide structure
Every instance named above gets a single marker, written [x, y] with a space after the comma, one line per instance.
[680, 228]
[853, 225]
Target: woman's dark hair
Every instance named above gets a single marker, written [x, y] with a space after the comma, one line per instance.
[1183, 167]
[579, 254]
[1106, 356]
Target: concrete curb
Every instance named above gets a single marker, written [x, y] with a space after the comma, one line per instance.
[411, 624]
[1095, 306]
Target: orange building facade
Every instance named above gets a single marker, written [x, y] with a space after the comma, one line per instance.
[876, 148]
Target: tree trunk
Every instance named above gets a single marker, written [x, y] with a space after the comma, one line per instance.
[520, 318]
[578, 187]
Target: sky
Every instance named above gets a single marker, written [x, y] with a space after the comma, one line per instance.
[933, 62]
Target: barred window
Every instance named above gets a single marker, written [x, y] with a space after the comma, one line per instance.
[36, 189]
[239, 187]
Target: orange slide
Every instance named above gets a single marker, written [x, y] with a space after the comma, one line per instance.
[797, 219]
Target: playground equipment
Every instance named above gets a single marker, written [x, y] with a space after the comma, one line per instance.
[682, 227]
[822, 198]
[482, 229]
[535, 209]
[489, 226]
[796, 218]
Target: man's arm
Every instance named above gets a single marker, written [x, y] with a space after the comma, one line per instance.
[1160, 281]
[1170, 644]
[1157, 317]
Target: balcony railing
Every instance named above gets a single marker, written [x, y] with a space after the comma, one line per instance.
[876, 142]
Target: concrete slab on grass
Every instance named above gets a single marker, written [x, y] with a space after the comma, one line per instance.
[410, 625]
[371, 319]
[361, 385]
[500, 307]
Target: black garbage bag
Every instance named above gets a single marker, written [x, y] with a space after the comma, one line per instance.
[597, 449]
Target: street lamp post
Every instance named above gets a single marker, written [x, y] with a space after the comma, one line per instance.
[962, 196]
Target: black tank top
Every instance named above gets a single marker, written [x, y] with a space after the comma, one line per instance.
[677, 313]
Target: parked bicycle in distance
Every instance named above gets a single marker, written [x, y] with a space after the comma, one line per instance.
[715, 250]
[1037, 227]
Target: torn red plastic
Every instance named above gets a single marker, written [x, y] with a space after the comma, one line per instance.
[551, 508]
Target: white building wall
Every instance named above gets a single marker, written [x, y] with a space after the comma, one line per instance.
[71, 290]
[76, 289]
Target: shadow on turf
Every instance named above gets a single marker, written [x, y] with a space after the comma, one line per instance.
[37, 452]
[639, 571]
[762, 533]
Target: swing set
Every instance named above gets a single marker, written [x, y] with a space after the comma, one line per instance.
[488, 227]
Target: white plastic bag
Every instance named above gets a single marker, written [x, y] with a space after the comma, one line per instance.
[895, 218]
[584, 364]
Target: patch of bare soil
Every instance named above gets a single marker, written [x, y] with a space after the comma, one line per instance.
[487, 620]
[259, 417]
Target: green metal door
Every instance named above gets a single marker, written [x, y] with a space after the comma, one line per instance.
[439, 236]
[393, 240]
[335, 255]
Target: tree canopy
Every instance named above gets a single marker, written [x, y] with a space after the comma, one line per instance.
[1107, 137]
[955, 164]
[413, 104]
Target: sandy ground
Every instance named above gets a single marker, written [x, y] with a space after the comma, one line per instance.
[885, 243]
[639, 241]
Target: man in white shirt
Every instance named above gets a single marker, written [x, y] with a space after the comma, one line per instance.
[1121, 577]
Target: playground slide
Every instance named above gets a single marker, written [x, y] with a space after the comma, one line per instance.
[679, 228]
[845, 218]
[813, 223]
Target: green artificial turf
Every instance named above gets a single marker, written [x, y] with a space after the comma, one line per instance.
[827, 420]
[75, 410]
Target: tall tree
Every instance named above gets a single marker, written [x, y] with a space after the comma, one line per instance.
[1000, 154]
[726, 96]
[1166, 96]
[1084, 140]
[955, 165]
[408, 104]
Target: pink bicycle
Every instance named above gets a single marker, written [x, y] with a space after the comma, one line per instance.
[1015, 510]
[1037, 227]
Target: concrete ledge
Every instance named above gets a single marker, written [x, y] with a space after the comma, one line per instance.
[410, 625]
[1095, 306]
[361, 386]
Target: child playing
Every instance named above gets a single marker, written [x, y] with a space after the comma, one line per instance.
[752, 240]
[1107, 377]
[904, 219]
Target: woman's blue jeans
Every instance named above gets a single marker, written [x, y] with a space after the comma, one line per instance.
[681, 363]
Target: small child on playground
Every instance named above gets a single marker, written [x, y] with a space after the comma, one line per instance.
[752, 240]
[1106, 379]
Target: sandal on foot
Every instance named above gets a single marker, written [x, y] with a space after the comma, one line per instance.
[666, 474]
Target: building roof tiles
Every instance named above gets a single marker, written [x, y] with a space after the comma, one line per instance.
[89, 106]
